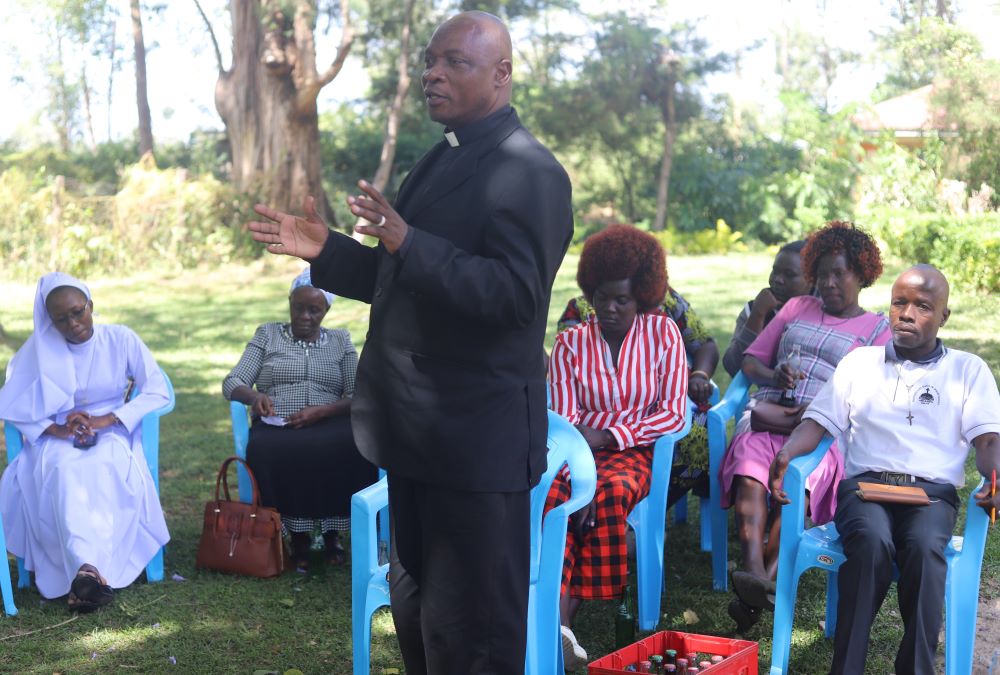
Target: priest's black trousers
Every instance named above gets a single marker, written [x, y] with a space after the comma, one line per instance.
[458, 578]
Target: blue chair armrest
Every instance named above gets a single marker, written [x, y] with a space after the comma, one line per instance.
[800, 467]
[663, 462]
[241, 428]
[713, 398]
[578, 457]
[566, 446]
[734, 400]
[793, 514]
[241, 436]
[151, 432]
[12, 436]
[973, 539]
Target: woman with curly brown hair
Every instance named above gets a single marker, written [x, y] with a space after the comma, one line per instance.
[819, 331]
[621, 377]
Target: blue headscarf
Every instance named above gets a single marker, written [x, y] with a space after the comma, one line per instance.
[305, 279]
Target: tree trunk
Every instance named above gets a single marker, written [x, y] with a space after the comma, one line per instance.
[62, 115]
[943, 12]
[54, 219]
[85, 86]
[669, 136]
[267, 100]
[141, 97]
[388, 155]
[111, 74]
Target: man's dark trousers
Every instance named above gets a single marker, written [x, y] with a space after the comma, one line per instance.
[875, 536]
[464, 613]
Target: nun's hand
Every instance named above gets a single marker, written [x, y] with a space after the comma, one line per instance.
[80, 422]
[62, 431]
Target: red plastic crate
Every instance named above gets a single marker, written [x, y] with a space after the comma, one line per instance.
[741, 655]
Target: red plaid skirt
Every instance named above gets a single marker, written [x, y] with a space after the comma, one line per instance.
[596, 565]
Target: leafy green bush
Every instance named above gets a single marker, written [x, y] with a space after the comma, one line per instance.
[721, 239]
[966, 248]
[158, 219]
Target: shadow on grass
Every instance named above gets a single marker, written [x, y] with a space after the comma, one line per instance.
[210, 623]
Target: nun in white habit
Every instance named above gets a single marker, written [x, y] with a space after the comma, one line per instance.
[86, 520]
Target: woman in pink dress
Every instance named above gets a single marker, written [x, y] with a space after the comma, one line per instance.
[840, 260]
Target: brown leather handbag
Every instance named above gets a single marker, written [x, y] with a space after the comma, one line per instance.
[240, 538]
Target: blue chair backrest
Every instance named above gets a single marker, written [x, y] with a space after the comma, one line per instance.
[566, 447]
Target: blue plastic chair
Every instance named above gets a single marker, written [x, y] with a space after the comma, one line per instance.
[681, 508]
[150, 427]
[239, 413]
[648, 520]
[820, 547]
[6, 591]
[732, 405]
[370, 588]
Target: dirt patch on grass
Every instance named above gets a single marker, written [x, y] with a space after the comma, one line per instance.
[987, 627]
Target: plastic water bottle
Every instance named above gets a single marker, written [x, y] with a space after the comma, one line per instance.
[794, 362]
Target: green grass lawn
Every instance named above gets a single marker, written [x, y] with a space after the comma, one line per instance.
[197, 325]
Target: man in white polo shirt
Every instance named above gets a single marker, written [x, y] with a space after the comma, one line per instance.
[906, 414]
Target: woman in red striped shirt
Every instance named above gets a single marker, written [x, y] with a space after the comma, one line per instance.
[621, 377]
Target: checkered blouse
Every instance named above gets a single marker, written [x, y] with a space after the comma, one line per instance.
[294, 373]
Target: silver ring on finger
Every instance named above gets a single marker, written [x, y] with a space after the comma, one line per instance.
[381, 222]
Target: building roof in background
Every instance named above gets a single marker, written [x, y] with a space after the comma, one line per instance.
[913, 111]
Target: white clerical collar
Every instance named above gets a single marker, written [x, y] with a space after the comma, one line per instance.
[451, 138]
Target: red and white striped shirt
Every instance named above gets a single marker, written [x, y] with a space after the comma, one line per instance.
[640, 400]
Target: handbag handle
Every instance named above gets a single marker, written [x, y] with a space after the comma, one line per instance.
[222, 480]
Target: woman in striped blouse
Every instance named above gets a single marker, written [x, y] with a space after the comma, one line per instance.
[298, 380]
[621, 377]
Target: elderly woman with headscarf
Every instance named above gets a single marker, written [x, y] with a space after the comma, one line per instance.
[78, 503]
[298, 380]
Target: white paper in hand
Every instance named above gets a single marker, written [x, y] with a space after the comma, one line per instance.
[273, 420]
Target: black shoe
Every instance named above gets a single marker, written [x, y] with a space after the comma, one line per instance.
[745, 616]
[334, 551]
[753, 590]
[301, 543]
